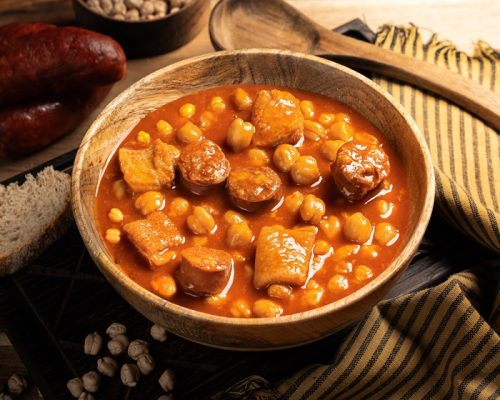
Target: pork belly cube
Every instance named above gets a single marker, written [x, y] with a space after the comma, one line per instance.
[204, 271]
[283, 256]
[147, 169]
[153, 235]
[277, 118]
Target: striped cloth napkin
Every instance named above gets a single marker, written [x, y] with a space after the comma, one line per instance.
[442, 342]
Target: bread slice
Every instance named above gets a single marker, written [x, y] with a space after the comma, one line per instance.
[32, 217]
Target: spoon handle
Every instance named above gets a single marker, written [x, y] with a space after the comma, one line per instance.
[452, 86]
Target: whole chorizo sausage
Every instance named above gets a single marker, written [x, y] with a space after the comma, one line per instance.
[25, 129]
[56, 61]
[11, 32]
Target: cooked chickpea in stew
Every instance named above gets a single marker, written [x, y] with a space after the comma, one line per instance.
[253, 201]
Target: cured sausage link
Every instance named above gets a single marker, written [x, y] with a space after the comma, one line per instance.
[11, 32]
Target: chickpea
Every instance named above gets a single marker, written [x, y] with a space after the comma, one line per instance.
[345, 251]
[314, 130]
[164, 129]
[179, 207]
[343, 267]
[206, 119]
[200, 240]
[366, 138]
[240, 309]
[307, 108]
[258, 157]
[357, 228]
[369, 251]
[285, 156]
[150, 202]
[341, 130]
[242, 99]
[322, 247]
[143, 137]
[187, 110]
[113, 235]
[119, 189]
[164, 285]
[384, 208]
[326, 119]
[201, 222]
[338, 283]
[330, 148]
[313, 294]
[294, 201]
[312, 209]
[215, 300]
[217, 104]
[115, 215]
[305, 171]
[240, 134]
[239, 235]
[343, 117]
[385, 233]
[283, 292]
[232, 217]
[331, 226]
[189, 133]
[264, 308]
[362, 273]
[163, 258]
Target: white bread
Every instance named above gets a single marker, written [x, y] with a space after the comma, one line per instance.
[32, 217]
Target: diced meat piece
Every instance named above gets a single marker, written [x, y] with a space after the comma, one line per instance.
[277, 118]
[359, 168]
[147, 169]
[153, 236]
[204, 271]
[253, 187]
[283, 256]
[203, 165]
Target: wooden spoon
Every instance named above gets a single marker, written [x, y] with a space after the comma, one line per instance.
[239, 24]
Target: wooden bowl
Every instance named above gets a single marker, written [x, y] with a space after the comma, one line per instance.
[272, 67]
[147, 38]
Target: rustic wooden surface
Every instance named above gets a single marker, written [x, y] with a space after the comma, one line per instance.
[462, 21]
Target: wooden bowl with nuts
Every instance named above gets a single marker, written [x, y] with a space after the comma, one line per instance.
[144, 28]
[300, 73]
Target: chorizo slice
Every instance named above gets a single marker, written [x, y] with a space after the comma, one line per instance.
[253, 187]
[359, 168]
[204, 271]
[283, 255]
[203, 165]
[277, 118]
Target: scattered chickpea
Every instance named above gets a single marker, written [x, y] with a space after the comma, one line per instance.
[362, 273]
[217, 104]
[146, 364]
[118, 345]
[5, 396]
[167, 380]
[341, 130]
[17, 384]
[343, 267]
[187, 110]
[264, 308]
[240, 309]
[165, 130]
[119, 189]
[326, 119]
[136, 348]
[305, 171]
[91, 381]
[314, 130]
[307, 108]
[86, 396]
[75, 387]
[179, 207]
[384, 208]
[158, 333]
[239, 235]
[188, 133]
[385, 233]
[201, 222]
[233, 217]
[166, 397]
[312, 209]
[347, 250]
[164, 285]
[258, 157]
[331, 226]
[357, 228]
[115, 215]
[163, 258]
[338, 283]
[143, 137]
[113, 235]
[330, 148]
[294, 201]
[278, 291]
[242, 99]
[107, 366]
[240, 134]
[285, 156]
[149, 202]
[322, 247]
[93, 344]
[129, 375]
[116, 329]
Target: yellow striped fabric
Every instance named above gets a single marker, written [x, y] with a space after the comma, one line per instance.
[465, 152]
